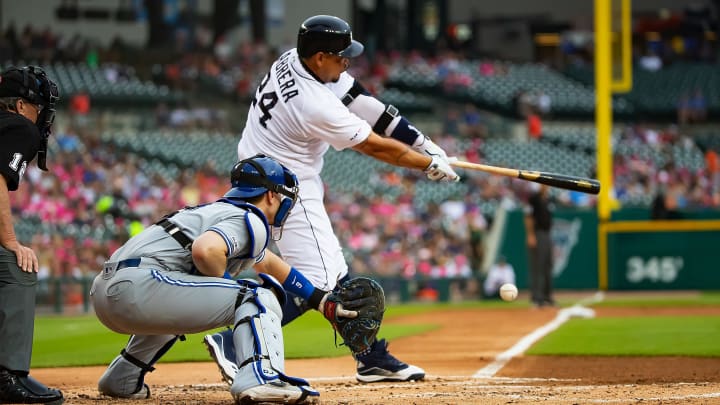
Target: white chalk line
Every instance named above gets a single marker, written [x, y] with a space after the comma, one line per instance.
[525, 342]
[564, 399]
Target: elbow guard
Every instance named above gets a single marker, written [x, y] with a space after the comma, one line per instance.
[385, 119]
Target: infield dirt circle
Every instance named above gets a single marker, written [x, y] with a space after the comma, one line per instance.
[465, 342]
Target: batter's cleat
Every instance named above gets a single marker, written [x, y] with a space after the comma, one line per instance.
[221, 348]
[142, 393]
[276, 392]
[23, 389]
[380, 365]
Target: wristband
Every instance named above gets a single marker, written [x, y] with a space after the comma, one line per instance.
[316, 298]
[297, 284]
[406, 133]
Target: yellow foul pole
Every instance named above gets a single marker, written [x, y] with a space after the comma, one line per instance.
[603, 122]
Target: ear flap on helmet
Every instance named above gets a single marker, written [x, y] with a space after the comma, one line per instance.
[286, 205]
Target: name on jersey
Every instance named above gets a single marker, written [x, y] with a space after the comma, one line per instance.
[285, 80]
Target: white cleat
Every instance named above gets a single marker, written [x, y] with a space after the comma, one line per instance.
[277, 392]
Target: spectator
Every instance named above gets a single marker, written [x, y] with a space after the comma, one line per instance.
[651, 62]
[426, 293]
[544, 103]
[500, 273]
[698, 106]
[80, 107]
[664, 207]
[534, 126]
[522, 101]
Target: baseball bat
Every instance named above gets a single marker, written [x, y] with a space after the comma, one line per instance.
[585, 185]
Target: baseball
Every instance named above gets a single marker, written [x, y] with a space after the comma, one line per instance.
[508, 292]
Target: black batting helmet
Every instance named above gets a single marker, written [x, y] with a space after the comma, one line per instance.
[326, 33]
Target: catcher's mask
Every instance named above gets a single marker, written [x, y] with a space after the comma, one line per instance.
[32, 84]
[326, 33]
[259, 174]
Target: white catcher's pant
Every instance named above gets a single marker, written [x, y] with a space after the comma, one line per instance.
[308, 241]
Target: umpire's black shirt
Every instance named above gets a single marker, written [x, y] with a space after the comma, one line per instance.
[19, 143]
[542, 218]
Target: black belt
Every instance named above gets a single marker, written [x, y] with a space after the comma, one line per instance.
[176, 233]
[134, 262]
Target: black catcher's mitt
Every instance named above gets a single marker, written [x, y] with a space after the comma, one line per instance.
[363, 296]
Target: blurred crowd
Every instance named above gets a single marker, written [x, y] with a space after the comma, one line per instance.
[92, 186]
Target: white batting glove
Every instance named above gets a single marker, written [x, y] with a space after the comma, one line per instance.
[440, 169]
[426, 146]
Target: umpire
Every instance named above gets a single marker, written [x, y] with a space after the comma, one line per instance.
[27, 101]
[538, 224]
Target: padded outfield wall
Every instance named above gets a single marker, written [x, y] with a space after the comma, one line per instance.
[640, 254]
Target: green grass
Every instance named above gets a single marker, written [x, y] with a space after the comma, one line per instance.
[634, 336]
[703, 299]
[83, 340]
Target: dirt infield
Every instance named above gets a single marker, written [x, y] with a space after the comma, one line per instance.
[465, 343]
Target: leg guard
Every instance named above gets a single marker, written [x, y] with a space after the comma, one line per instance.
[222, 349]
[258, 341]
[125, 377]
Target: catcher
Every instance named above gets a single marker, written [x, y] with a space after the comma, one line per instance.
[175, 277]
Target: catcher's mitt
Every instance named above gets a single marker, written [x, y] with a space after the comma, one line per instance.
[364, 297]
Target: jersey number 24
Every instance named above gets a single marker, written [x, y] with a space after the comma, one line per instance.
[265, 102]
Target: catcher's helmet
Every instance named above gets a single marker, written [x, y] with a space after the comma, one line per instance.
[259, 174]
[326, 33]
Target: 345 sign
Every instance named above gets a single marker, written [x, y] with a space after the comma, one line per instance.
[656, 269]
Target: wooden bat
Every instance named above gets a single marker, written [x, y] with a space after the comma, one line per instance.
[585, 185]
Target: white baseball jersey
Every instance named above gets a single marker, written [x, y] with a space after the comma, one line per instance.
[295, 118]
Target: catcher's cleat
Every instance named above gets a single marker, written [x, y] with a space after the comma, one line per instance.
[276, 392]
[220, 346]
[23, 389]
[380, 365]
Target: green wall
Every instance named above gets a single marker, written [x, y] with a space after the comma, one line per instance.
[642, 259]
[669, 259]
[574, 234]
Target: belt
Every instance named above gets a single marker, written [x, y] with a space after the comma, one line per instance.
[110, 268]
[176, 233]
[134, 262]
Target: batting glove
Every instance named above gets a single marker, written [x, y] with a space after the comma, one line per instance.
[426, 146]
[440, 169]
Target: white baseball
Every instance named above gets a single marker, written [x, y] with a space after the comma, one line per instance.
[508, 292]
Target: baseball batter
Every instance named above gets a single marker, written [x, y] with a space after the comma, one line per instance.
[175, 277]
[305, 104]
